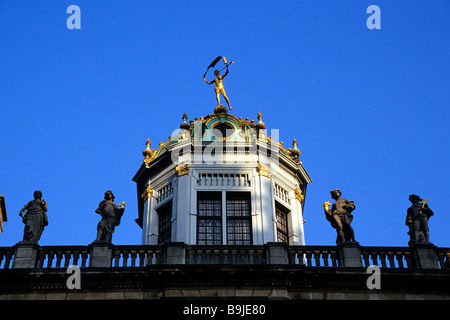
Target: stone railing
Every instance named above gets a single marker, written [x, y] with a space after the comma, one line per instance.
[225, 255]
[124, 256]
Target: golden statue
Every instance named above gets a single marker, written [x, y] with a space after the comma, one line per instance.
[218, 88]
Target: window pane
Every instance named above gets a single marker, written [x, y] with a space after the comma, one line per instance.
[209, 218]
[282, 226]
[164, 223]
[239, 229]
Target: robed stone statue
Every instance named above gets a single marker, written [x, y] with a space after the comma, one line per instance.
[111, 215]
[417, 217]
[35, 218]
[340, 216]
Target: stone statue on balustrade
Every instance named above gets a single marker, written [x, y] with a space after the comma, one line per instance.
[35, 219]
[340, 217]
[111, 215]
[417, 217]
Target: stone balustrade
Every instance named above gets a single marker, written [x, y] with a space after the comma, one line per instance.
[120, 256]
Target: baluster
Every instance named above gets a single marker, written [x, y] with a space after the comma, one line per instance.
[447, 261]
[76, 256]
[125, 256]
[209, 257]
[84, 256]
[317, 258]
[67, 256]
[325, 258]
[116, 258]
[308, 258]
[301, 256]
[141, 255]
[260, 256]
[234, 256]
[150, 257]
[200, 257]
[159, 258]
[50, 257]
[226, 256]
[399, 257]
[333, 258]
[374, 256]
[382, 256]
[217, 256]
[365, 255]
[291, 255]
[390, 255]
[8, 259]
[191, 259]
[41, 258]
[133, 258]
[409, 263]
[59, 256]
[441, 259]
[241, 256]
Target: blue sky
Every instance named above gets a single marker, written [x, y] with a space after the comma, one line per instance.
[369, 108]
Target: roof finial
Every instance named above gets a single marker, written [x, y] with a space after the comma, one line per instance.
[295, 153]
[184, 125]
[260, 125]
[147, 152]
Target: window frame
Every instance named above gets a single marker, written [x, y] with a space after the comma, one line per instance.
[281, 212]
[243, 217]
[215, 219]
[165, 222]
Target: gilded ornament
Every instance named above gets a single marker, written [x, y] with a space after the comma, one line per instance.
[182, 170]
[263, 171]
[298, 194]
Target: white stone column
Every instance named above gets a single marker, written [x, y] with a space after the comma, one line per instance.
[150, 223]
[181, 222]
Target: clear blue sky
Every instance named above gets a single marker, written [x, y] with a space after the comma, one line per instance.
[369, 108]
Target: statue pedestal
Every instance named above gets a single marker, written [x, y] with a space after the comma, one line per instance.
[350, 254]
[220, 109]
[101, 255]
[25, 255]
[425, 256]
